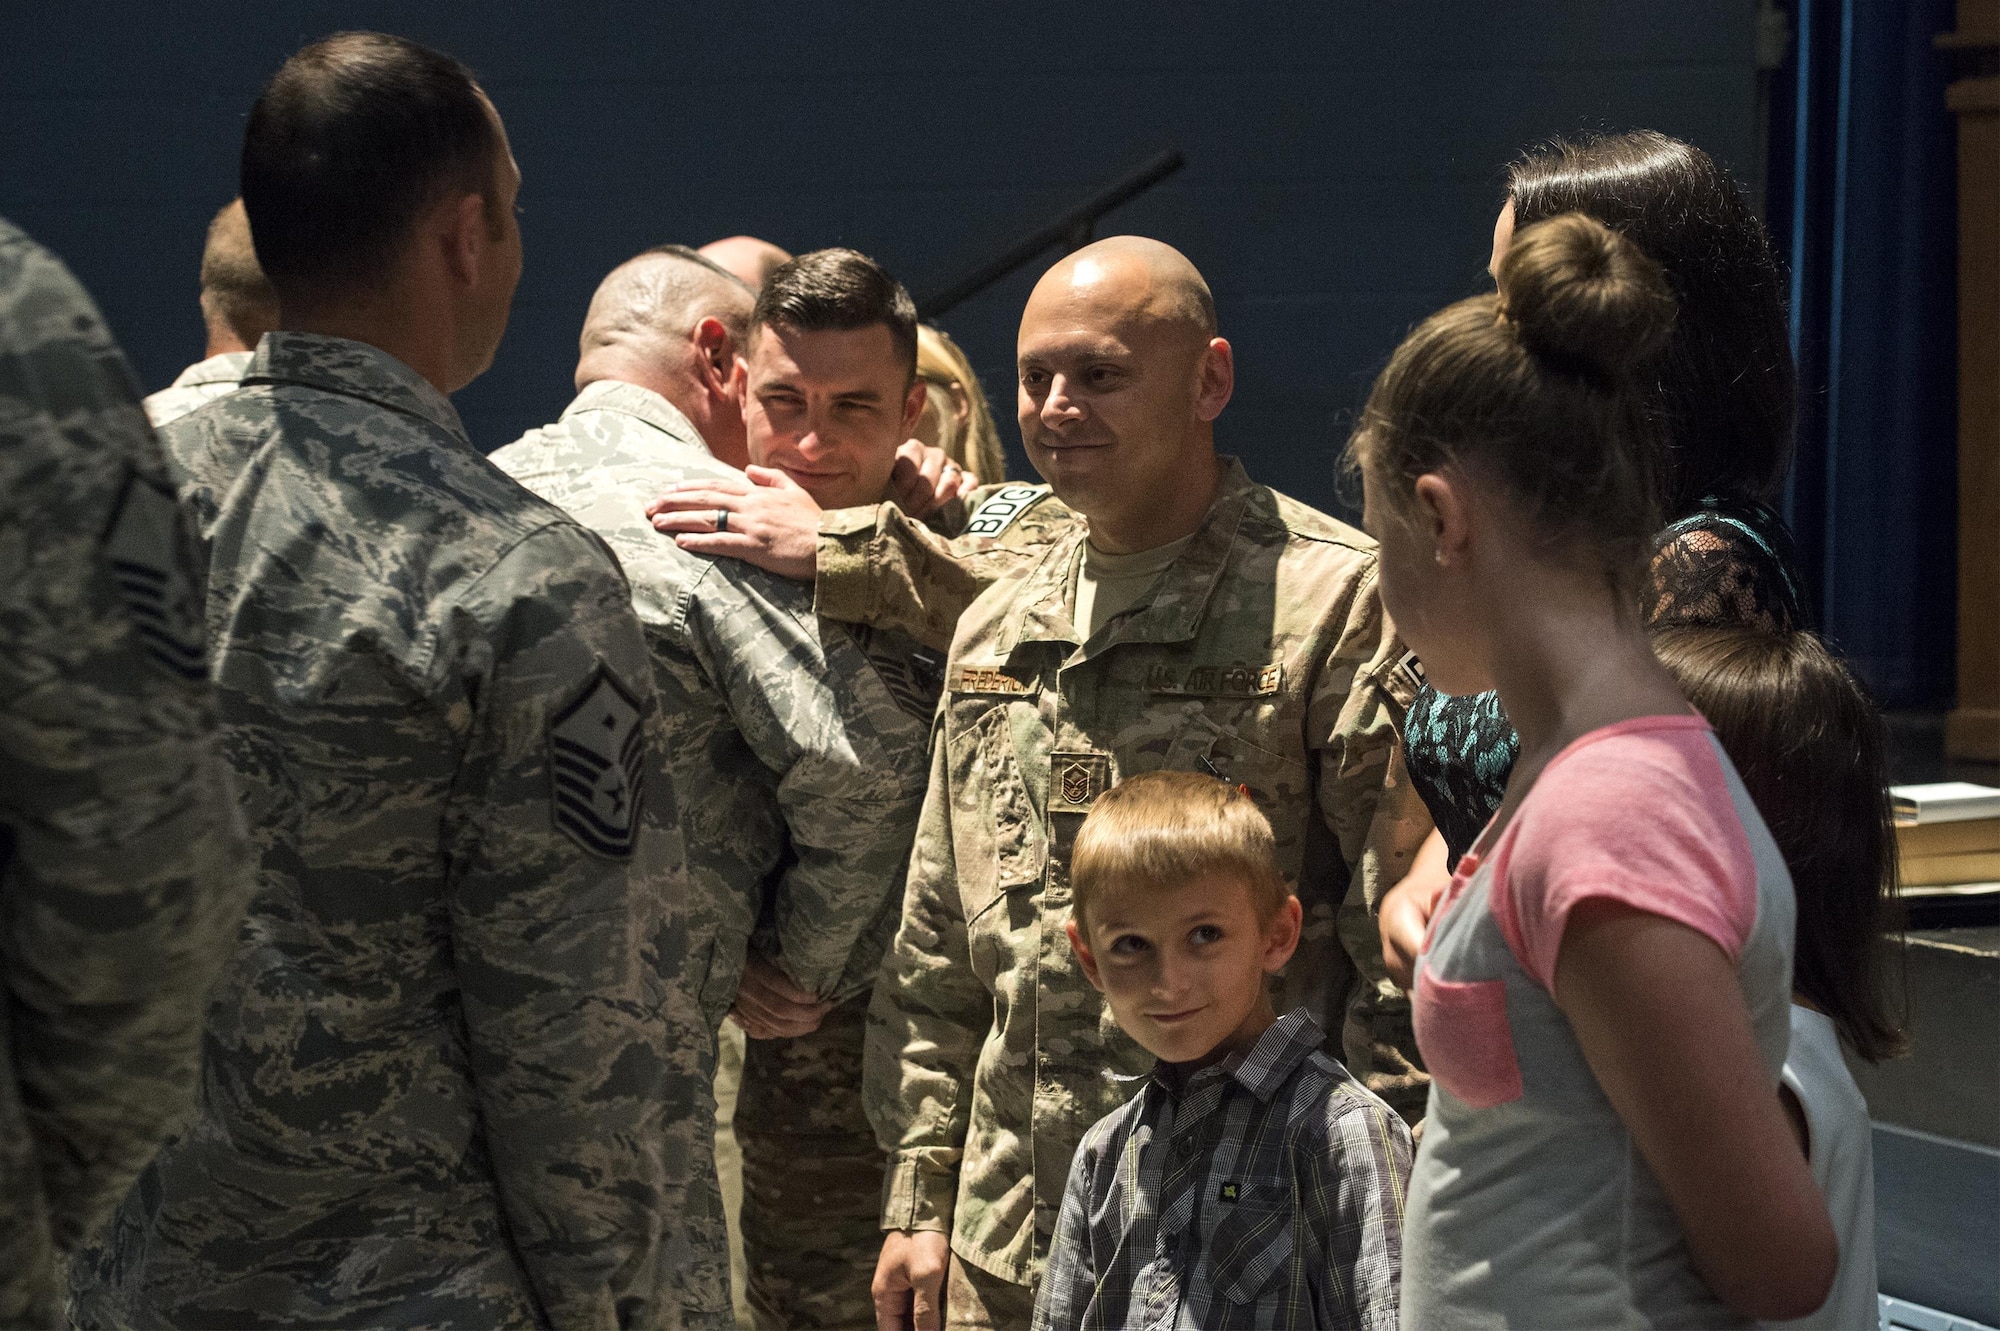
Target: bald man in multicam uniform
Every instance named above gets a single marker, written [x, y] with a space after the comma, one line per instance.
[238, 307]
[1159, 610]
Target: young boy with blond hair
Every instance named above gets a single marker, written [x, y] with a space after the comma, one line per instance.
[1252, 1182]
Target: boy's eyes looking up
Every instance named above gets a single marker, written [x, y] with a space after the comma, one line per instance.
[1133, 945]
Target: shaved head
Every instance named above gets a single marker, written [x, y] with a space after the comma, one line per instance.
[237, 302]
[1133, 277]
[1121, 378]
[652, 302]
[671, 321]
[747, 257]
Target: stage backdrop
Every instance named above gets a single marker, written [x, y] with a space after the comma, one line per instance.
[1344, 160]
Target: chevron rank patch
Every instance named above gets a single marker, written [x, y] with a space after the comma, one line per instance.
[1001, 507]
[1078, 779]
[597, 755]
[166, 611]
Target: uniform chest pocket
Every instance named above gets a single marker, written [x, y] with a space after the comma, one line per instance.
[1251, 1245]
[997, 837]
[1467, 1044]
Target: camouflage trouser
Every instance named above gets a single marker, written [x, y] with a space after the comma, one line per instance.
[812, 1178]
[976, 1301]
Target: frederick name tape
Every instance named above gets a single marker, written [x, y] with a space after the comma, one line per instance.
[986, 679]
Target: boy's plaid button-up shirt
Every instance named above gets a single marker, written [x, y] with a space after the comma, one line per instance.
[1266, 1191]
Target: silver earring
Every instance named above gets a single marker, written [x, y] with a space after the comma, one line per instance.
[1439, 554]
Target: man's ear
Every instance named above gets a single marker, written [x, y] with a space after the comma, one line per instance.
[1084, 957]
[715, 355]
[913, 406]
[1215, 379]
[1281, 935]
[463, 232]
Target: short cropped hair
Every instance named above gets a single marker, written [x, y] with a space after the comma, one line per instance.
[1163, 829]
[232, 281]
[350, 141]
[840, 290]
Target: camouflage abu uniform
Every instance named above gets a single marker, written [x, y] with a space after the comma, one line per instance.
[796, 750]
[1262, 656]
[441, 1067]
[197, 386]
[878, 567]
[123, 869]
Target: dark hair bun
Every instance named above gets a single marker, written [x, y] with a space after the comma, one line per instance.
[1584, 299]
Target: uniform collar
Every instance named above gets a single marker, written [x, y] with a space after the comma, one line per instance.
[223, 368]
[1173, 613]
[1262, 1068]
[352, 369]
[644, 404]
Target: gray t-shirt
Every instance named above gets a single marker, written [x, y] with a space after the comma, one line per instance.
[1529, 1203]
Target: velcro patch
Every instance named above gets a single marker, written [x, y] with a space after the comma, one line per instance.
[985, 679]
[1001, 507]
[1235, 680]
[140, 544]
[1076, 780]
[597, 765]
[1408, 676]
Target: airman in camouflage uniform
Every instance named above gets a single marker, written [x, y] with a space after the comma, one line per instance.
[123, 868]
[796, 750]
[1260, 655]
[881, 568]
[442, 1065]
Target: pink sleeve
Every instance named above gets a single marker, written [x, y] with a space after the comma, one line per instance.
[1643, 819]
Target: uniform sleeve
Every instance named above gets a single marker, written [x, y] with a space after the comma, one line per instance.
[1070, 1276]
[884, 569]
[850, 773]
[929, 1016]
[1379, 822]
[124, 871]
[1355, 1169]
[565, 895]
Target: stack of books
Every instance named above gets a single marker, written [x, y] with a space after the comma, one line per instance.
[1948, 835]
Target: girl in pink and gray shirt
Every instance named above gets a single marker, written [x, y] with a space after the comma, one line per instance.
[1602, 994]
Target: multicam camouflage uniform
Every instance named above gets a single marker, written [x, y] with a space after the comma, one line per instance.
[878, 567]
[796, 750]
[440, 1069]
[123, 869]
[1261, 656]
[197, 386]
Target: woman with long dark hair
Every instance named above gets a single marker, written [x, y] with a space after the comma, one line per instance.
[1721, 390]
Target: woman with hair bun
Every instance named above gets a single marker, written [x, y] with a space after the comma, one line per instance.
[1602, 999]
[1723, 388]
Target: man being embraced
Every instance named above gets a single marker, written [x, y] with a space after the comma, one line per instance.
[1252, 1181]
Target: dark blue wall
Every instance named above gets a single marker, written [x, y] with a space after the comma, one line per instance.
[1344, 159]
